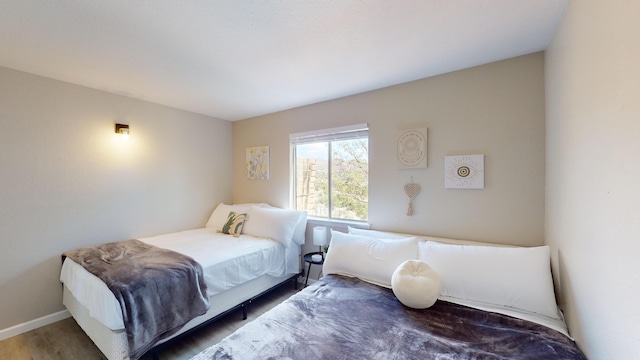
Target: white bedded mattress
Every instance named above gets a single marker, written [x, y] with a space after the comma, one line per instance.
[227, 261]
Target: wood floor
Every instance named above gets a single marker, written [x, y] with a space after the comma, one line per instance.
[64, 340]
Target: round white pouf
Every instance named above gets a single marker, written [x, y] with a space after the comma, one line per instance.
[416, 284]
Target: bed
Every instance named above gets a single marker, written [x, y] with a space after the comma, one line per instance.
[236, 268]
[492, 302]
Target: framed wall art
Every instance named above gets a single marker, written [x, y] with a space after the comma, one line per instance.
[464, 172]
[411, 148]
[257, 163]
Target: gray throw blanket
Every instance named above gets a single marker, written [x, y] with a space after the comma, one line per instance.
[341, 318]
[159, 290]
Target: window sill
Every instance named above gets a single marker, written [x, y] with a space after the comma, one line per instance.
[337, 223]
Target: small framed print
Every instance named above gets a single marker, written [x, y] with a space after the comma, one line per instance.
[257, 163]
[464, 172]
[411, 150]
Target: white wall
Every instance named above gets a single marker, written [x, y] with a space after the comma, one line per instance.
[496, 110]
[66, 181]
[592, 172]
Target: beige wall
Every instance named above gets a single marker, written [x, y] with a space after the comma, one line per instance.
[496, 110]
[66, 182]
[592, 170]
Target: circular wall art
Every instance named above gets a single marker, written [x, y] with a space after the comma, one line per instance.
[464, 172]
[412, 148]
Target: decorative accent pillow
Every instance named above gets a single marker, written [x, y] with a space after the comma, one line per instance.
[517, 278]
[274, 223]
[234, 224]
[367, 258]
[415, 284]
[219, 215]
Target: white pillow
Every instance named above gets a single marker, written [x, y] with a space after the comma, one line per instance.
[273, 223]
[367, 258]
[219, 216]
[415, 284]
[375, 234]
[300, 229]
[516, 278]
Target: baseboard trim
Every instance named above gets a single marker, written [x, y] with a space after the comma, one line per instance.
[33, 324]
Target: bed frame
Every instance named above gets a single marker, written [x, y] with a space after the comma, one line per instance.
[114, 344]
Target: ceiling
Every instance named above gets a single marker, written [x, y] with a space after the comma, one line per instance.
[238, 59]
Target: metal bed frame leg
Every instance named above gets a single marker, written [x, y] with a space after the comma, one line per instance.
[307, 279]
[244, 310]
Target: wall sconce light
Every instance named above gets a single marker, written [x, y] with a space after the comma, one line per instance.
[122, 129]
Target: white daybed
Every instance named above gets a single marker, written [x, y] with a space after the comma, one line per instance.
[389, 296]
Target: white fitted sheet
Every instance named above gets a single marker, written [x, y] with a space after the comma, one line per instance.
[227, 261]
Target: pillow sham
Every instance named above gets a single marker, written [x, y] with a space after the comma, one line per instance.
[219, 215]
[375, 233]
[368, 258]
[273, 223]
[234, 224]
[415, 284]
[301, 228]
[510, 277]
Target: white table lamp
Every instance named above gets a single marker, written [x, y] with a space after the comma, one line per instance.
[320, 238]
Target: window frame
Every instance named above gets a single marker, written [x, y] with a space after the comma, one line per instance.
[330, 135]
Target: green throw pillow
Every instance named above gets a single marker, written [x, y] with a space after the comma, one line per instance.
[233, 225]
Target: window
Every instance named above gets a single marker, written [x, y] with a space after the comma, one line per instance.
[331, 172]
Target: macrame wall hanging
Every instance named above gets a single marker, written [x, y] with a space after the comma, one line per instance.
[411, 189]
